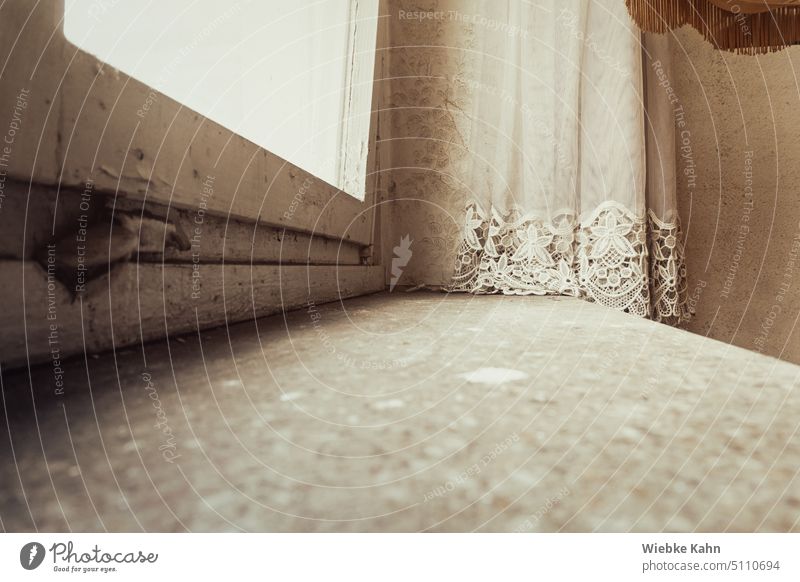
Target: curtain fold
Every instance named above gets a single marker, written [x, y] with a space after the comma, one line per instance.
[563, 199]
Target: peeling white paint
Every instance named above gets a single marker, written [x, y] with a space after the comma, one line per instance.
[387, 404]
[289, 396]
[108, 170]
[493, 376]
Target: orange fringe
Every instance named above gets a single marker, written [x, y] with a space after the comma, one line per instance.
[751, 34]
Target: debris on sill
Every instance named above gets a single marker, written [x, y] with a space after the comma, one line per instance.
[77, 257]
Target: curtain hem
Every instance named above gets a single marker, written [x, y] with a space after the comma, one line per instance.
[612, 257]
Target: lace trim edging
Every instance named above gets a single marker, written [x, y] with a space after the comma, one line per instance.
[613, 257]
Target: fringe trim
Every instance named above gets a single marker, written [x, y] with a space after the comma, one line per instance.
[751, 34]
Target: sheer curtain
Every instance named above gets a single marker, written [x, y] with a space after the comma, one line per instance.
[559, 200]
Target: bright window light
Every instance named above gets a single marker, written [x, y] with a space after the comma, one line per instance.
[277, 73]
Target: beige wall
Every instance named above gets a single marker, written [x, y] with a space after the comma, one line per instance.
[742, 245]
[429, 65]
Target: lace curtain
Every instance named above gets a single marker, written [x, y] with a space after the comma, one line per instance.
[563, 199]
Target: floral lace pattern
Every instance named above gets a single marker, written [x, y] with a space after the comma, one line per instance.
[667, 271]
[604, 258]
[612, 259]
[516, 256]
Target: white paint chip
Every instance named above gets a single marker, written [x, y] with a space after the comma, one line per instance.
[288, 396]
[386, 404]
[493, 376]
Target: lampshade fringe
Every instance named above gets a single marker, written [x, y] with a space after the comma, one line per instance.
[751, 34]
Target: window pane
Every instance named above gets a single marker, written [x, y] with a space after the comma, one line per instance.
[272, 71]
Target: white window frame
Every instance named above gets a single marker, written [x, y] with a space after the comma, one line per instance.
[352, 173]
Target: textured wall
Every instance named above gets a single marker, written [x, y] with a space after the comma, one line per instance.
[430, 63]
[739, 193]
